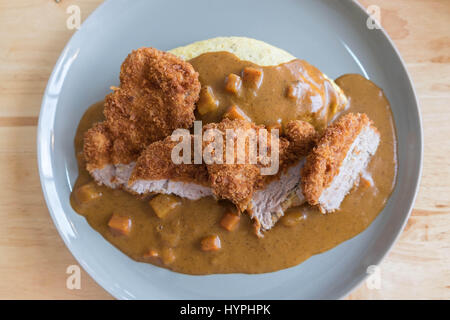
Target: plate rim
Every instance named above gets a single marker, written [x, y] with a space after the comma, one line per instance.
[111, 289]
[419, 173]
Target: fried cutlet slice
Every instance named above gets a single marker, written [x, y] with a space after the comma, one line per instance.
[97, 150]
[335, 164]
[156, 172]
[264, 197]
[276, 194]
[157, 95]
[236, 180]
[301, 136]
[269, 202]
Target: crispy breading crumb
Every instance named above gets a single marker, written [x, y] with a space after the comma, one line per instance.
[155, 163]
[302, 138]
[97, 146]
[301, 135]
[234, 182]
[324, 162]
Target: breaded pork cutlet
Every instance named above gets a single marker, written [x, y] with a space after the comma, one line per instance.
[264, 197]
[233, 181]
[302, 138]
[282, 191]
[155, 172]
[335, 164]
[157, 95]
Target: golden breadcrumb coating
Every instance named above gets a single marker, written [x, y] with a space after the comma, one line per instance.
[97, 146]
[324, 162]
[155, 163]
[302, 138]
[234, 182]
[237, 182]
[157, 94]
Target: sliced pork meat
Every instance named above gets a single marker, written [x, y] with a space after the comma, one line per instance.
[155, 172]
[269, 203]
[276, 194]
[334, 166]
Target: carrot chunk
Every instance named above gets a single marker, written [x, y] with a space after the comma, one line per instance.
[233, 83]
[252, 77]
[230, 221]
[211, 243]
[235, 113]
[120, 225]
[365, 183]
[163, 204]
[151, 254]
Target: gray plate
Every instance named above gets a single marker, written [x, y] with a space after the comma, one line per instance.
[332, 35]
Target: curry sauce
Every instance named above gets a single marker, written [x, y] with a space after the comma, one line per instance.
[174, 240]
[268, 95]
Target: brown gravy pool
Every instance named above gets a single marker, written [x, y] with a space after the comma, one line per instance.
[281, 247]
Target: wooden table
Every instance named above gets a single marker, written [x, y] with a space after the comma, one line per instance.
[33, 258]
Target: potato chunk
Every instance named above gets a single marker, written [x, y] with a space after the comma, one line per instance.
[252, 77]
[168, 256]
[120, 225]
[207, 101]
[293, 217]
[233, 83]
[163, 204]
[236, 113]
[211, 243]
[230, 221]
[86, 193]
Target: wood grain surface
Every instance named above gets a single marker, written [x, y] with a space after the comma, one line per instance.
[34, 259]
